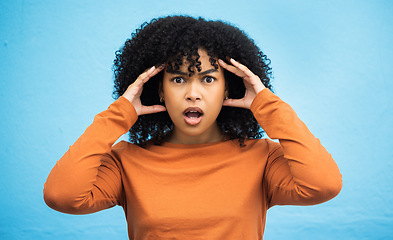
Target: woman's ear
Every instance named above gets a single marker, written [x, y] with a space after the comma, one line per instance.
[226, 92]
[160, 92]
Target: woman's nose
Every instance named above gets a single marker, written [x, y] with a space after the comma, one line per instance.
[193, 92]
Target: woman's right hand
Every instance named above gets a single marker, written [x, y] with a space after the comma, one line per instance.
[134, 91]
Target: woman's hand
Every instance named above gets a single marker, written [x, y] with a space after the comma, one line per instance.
[134, 91]
[251, 81]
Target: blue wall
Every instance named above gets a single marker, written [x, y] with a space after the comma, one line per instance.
[332, 62]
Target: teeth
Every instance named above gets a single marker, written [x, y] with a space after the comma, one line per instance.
[193, 114]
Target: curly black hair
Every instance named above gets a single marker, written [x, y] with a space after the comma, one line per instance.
[172, 39]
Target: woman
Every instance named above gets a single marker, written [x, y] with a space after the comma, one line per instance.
[196, 166]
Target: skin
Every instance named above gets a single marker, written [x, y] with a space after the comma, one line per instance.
[206, 91]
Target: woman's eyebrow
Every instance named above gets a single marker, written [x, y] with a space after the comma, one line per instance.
[201, 73]
[178, 73]
[208, 71]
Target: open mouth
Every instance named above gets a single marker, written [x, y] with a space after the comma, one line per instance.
[193, 115]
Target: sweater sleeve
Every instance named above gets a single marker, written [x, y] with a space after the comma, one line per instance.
[299, 170]
[87, 178]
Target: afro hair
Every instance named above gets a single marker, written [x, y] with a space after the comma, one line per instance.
[172, 40]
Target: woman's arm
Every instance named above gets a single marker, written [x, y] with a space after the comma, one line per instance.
[299, 170]
[88, 177]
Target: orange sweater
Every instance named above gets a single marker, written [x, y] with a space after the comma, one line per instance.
[206, 191]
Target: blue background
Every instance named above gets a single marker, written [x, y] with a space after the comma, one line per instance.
[332, 62]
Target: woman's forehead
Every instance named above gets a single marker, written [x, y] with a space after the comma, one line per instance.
[200, 58]
[186, 67]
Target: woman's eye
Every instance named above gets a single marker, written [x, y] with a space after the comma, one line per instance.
[178, 80]
[208, 79]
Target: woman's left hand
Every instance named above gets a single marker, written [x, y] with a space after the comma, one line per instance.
[251, 81]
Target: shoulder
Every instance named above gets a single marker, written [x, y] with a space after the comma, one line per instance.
[126, 148]
[266, 144]
[121, 147]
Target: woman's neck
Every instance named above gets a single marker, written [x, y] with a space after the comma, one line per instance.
[177, 137]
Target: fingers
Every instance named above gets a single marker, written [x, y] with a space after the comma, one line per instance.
[144, 77]
[240, 103]
[152, 109]
[231, 68]
[252, 83]
[134, 91]
[237, 68]
[243, 68]
[250, 80]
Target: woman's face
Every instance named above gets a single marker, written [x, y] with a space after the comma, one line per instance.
[193, 103]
